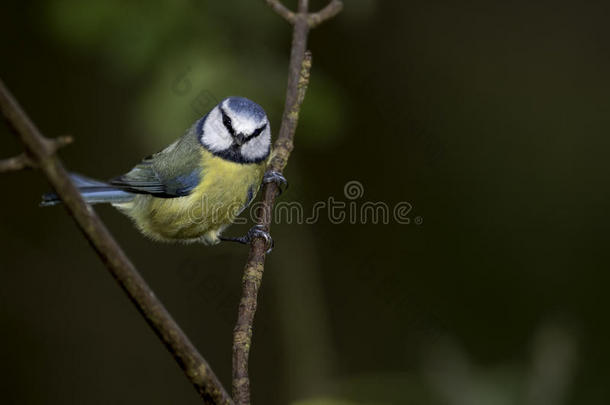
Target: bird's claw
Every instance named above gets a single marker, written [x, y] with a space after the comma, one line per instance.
[277, 178]
[257, 231]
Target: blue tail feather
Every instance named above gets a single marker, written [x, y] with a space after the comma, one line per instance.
[92, 191]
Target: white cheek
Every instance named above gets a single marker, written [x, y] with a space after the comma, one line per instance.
[257, 147]
[215, 135]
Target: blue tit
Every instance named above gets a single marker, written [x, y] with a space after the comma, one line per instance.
[193, 189]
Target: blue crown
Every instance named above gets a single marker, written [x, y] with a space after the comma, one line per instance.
[243, 106]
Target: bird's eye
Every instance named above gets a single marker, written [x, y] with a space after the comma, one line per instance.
[226, 120]
[258, 131]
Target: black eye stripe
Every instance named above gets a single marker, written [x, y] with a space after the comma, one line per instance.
[226, 120]
[257, 132]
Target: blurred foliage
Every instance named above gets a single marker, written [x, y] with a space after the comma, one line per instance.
[489, 118]
[191, 53]
[324, 401]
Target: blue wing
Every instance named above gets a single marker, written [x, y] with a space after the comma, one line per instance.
[173, 172]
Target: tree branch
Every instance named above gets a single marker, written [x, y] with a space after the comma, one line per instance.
[16, 163]
[298, 79]
[23, 161]
[332, 9]
[41, 151]
[282, 10]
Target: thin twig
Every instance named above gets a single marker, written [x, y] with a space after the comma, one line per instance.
[282, 10]
[16, 163]
[55, 144]
[42, 151]
[332, 9]
[298, 79]
[23, 161]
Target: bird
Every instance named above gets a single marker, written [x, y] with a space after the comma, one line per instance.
[192, 190]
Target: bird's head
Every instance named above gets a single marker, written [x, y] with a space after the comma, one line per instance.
[237, 129]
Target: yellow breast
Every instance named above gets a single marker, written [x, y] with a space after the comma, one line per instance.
[223, 192]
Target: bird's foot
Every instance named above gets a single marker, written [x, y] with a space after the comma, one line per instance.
[277, 178]
[257, 231]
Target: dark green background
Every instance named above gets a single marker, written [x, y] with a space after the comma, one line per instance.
[489, 117]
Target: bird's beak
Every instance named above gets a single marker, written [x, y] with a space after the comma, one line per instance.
[239, 139]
